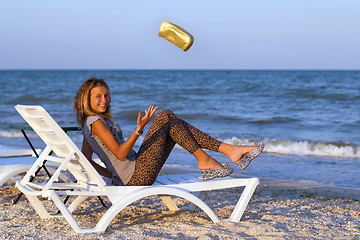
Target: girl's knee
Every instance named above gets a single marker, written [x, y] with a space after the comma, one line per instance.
[165, 113]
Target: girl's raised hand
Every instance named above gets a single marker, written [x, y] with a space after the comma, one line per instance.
[142, 121]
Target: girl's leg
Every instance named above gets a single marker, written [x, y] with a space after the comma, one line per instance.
[164, 132]
[206, 142]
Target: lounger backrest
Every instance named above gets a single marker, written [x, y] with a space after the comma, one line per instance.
[60, 149]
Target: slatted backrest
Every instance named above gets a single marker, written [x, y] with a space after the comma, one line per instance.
[60, 149]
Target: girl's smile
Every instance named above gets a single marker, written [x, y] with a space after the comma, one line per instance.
[99, 99]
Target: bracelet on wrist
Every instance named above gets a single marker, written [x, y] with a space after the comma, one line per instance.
[139, 131]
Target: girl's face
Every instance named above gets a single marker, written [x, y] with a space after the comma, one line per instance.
[99, 99]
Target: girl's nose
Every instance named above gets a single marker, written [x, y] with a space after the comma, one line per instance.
[105, 99]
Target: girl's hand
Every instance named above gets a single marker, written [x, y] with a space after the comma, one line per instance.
[142, 121]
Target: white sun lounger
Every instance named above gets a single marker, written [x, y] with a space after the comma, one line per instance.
[15, 161]
[62, 150]
[11, 167]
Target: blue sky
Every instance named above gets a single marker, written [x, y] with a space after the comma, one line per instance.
[229, 34]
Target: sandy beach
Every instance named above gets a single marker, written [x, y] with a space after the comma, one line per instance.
[278, 210]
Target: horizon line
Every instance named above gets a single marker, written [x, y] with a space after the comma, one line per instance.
[175, 69]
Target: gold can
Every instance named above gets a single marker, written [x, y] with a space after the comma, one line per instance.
[176, 35]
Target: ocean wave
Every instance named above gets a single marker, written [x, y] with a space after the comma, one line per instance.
[27, 98]
[15, 134]
[275, 120]
[30, 99]
[305, 148]
[286, 147]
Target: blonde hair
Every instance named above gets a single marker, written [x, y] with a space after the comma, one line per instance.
[82, 101]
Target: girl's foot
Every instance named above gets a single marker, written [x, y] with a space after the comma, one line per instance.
[246, 159]
[209, 174]
[237, 152]
[210, 168]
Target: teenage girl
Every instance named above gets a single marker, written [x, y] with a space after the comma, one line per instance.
[127, 167]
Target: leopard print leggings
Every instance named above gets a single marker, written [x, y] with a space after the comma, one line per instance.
[165, 131]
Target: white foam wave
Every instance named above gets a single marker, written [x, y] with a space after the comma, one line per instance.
[287, 147]
[177, 166]
[305, 148]
[10, 134]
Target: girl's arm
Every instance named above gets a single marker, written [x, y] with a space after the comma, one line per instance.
[100, 130]
[87, 151]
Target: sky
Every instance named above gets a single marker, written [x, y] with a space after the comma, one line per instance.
[228, 34]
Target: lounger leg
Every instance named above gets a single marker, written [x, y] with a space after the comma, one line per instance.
[244, 200]
[171, 205]
[192, 206]
[102, 202]
[67, 214]
[124, 202]
[32, 178]
[37, 205]
[169, 202]
[76, 203]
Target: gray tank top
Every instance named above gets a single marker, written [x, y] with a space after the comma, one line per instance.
[123, 169]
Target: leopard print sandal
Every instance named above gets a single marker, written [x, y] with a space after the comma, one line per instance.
[209, 174]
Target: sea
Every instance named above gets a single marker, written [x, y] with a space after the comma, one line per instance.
[308, 120]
